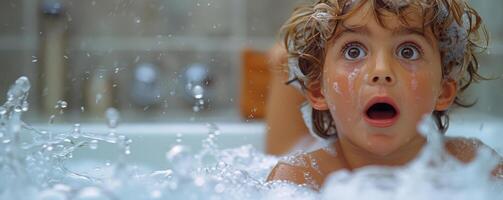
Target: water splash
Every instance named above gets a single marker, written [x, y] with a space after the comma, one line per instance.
[33, 166]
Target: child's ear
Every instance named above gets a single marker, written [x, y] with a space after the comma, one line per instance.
[447, 95]
[316, 97]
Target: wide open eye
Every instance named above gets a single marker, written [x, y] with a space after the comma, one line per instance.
[354, 51]
[408, 51]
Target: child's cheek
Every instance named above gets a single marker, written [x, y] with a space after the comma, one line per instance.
[422, 91]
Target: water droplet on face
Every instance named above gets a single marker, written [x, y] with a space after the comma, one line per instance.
[337, 88]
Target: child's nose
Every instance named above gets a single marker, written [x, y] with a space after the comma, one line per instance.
[382, 73]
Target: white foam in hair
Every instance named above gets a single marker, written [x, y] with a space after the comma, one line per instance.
[325, 20]
[454, 44]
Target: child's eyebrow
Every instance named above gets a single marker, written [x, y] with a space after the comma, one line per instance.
[412, 31]
[399, 31]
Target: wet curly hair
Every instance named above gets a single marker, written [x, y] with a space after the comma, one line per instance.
[313, 24]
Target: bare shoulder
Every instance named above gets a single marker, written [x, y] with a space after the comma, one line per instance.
[288, 172]
[310, 168]
[465, 149]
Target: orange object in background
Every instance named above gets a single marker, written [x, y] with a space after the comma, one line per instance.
[255, 76]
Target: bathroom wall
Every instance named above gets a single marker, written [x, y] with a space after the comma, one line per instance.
[109, 38]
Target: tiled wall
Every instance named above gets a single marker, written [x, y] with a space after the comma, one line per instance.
[103, 35]
[106, 35]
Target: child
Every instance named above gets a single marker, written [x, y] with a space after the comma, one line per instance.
[370, 70]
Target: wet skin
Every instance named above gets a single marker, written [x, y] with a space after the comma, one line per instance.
[366, 61]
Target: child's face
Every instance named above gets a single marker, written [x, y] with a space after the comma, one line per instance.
[395, 65]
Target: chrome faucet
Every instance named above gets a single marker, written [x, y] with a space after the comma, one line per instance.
[197, 84]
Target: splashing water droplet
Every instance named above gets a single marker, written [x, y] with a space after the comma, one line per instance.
[76, 131]
[51, 119]
[25, 106]
[93, 144]
[3, 111]
[60, 104]
[197, 91]
[180, 159]
[127, 151]
[113, 117]
[99, 96]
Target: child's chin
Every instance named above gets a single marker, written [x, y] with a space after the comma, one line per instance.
[381, 145]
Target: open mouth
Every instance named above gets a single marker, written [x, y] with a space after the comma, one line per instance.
[381, 112]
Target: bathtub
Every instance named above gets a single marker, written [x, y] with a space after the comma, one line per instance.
[152, 140]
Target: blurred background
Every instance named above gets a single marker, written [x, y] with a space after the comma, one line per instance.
[165, 60]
